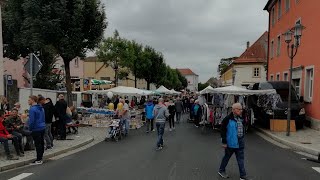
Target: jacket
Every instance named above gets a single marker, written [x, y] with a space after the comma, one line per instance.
[179, 106]
[229, 132]
[36, 118]
[161, 113]
[11, 122]
[49, 111]
[3, 130]
[61, 109]
[197, 110]
[172, 109]
[149, 110]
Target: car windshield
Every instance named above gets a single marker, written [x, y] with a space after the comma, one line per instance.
[284, 95]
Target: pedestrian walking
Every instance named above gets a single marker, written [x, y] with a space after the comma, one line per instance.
[149, 115]
[161, 113]
[125, 115]
[172, 111]
[49, 111]
[179, 109]
[197, 113]
[37, 127]
[61, 114]
[232, 134]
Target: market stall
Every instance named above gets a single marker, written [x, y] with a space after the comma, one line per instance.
[163, 90]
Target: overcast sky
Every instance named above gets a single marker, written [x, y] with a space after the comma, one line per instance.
[193, 34]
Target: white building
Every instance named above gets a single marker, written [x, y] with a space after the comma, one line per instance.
[192, 78]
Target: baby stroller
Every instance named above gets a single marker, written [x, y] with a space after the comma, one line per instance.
[116, 131]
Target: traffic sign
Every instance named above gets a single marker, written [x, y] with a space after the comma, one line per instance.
[9, 80]
[36, 65]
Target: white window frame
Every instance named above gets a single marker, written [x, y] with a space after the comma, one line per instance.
[278, 77]
[308, 97]
[273, 17]
[271, 77]
[286, 73]
[295, 87]
[287, 6]
[278, 45]
[259, 72]
[272, 49]
[279, 9]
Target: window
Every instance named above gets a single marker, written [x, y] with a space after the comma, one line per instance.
[278, 77]
[279, 9]
[287, 5]
[273, 17]
[256, 72]
[279, 45]
[76, 62]
[272, 49]
[296, 85]
[271, 78]
[309, 84]
[285, 76]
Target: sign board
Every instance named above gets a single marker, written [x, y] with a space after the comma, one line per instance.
[9, 80]
[36, 65]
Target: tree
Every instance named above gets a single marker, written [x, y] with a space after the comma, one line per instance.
[224, 64]
[202, 86]
[70, 27]
[183, 80]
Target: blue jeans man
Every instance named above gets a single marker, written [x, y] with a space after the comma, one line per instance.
[125, 122]
[160, 129]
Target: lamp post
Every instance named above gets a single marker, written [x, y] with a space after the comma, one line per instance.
[292, 49]
[115, 67]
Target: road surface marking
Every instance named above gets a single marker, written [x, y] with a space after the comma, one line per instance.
[21, 176]
[316, 169]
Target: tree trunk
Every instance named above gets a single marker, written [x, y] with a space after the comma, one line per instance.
[135, 73]
[148, 85]
[68, 82]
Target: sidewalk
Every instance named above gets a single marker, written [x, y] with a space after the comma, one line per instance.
[86, 135]
[305, 140]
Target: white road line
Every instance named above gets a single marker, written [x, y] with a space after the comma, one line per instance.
[316, 169]
[21, 176]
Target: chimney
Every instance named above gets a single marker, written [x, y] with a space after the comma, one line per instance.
[248, 44]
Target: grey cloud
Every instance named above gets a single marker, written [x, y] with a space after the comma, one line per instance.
[193, 34]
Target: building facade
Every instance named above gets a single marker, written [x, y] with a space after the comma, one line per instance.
[283, 15]
[250, 67]
[192, 78]
[2, 69]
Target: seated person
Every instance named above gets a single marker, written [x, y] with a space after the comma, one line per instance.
[5, 137]
[14, 126]
[29, 144]
[72, 118]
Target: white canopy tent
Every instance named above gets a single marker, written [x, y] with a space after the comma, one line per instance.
[122, 90]
[207, 90]
[163, 90]
[234, 90]
[174, 92]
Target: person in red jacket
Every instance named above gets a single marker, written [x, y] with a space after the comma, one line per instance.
[5, 137]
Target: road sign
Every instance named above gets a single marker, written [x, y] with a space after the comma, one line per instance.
[9, 80]
[36, 65]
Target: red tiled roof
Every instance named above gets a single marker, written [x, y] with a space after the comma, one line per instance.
[186, 71]
[256, 52]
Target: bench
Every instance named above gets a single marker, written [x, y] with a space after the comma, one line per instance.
[75, 127]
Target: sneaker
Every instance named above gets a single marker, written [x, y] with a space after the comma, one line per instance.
[48, 148]
[10, 157]
[37, 162]
[153, 130]
[245, 178]
[147, 131]
[196, 126]
[159, 148]
[174, 128]
[223, 175]
[170, 129]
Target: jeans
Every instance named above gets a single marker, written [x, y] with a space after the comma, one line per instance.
[125, 122]
[171, 121]
[48, 135]
[160, 129]
[149, 124]
[6, 144]
[62, 128]
[38, 137]
[240, 158]
[178, 116]
[19, 138]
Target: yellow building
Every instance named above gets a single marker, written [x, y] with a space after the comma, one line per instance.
[94, 69]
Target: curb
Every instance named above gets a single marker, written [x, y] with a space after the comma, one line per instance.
[292, 145]
[45, 157]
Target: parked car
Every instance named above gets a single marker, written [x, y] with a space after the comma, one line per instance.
[263, 116]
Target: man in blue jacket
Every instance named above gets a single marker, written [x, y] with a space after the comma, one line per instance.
[149, 114]
[232, 134]
[37, 127]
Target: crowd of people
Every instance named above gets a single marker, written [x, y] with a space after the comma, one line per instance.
[40, 125]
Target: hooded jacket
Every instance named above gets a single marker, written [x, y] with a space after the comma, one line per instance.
[36, 118]
[149, 110]
[49, 111]
[161, 113]
[3, 131]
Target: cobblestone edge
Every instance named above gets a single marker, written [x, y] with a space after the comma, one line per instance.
[45, 157]
[292, 145]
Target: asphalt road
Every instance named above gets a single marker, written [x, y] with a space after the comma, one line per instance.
[189, 154]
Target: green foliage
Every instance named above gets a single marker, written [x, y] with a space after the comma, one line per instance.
[224, 64]
[202, 86]
[69, 27]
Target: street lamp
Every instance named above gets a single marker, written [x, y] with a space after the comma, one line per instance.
[292, 50]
